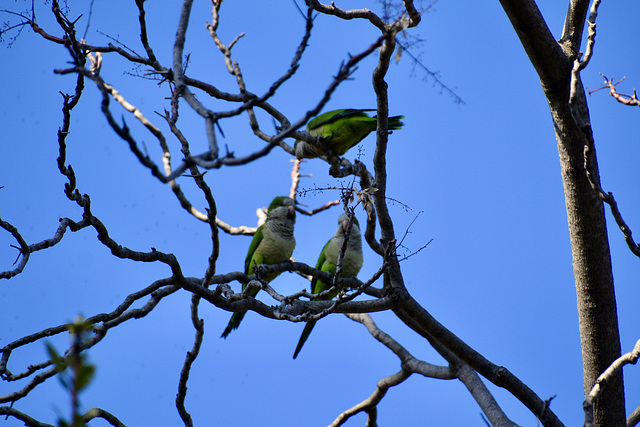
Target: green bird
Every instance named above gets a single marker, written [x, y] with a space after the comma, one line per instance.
[273, 243]
[351, 265]
[341, 130]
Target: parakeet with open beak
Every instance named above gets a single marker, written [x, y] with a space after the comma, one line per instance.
[328, 260]
[341, 130]
[273, 243]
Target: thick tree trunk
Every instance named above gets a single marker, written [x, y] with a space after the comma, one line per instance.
[597, 312]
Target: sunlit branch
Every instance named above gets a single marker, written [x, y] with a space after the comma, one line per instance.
[250, 99]
[369, 405]
[620, 97]
[105, 415]
[600, 386]
[85, 203]
[634, 418]
[579, 64]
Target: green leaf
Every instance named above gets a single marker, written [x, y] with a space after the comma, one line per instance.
[60, 363]
[79, 326]
[84, 376]
[78, 421]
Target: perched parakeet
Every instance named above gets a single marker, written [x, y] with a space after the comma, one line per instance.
[341, 129]
[273, 243]
[351, 265]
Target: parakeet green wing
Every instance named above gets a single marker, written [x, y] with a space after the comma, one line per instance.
[272, 243]
[335, 115]
[248, 264]
[319, 265]
[341, 130]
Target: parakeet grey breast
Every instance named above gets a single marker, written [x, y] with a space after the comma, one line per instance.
[278, 242]
[304, 150]
[352, 261]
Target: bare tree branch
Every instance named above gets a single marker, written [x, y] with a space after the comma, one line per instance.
[105, 415]
[102, 323]
[352, 14]
[610, 200]
[412, 365]
[417, 318]
[600, 385]
[24, 250]
[579, 64]
[26, 419]
[551, 59]
[575, 106]
[408, 362]
[634, 418]
[620, 97]
[186, 368]
[546, 54]
[554, 62]
[369, 405]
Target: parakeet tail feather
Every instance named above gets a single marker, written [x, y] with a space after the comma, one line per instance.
[303, 338]
[233, 323]
[395, 123]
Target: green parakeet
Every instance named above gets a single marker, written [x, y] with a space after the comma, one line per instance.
[351, 265]
[341, 129]
[273, 243]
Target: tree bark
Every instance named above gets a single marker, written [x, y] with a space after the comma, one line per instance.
[593, 275]
[597, 313]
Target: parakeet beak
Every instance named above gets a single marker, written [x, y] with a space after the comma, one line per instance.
[345, 225]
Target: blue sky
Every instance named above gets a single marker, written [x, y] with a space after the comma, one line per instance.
[483, 176]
